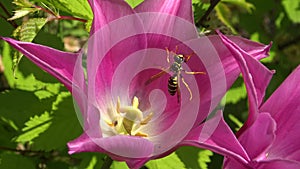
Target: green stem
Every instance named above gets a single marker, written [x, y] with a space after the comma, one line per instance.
[107, 163]
[57, 17]
[213, 4]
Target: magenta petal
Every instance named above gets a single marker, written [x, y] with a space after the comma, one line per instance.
[57, 63]
[127, 146]
[220, 139]
[106, 11]
[259, 136]
[180, 8]
[136, 163]
[233, 164]
[119, 147]
[83, 144]
[278, 164]
[256, 77]
[284, 107]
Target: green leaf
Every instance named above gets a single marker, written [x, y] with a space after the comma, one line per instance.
[20, 105]
[15, 161]
[172, 161]
[78, 8]
[118, 165]
[194, 157]
[224, 14]
[22, 3]
[292, 9]
[236, 93]
[89, 160]
[27, 32]
[241, 4]
[236, 121]
[22, 12]
[64, 125]
[29, 29]
[34, 127]
[25, 80]
[134, 3]
[8, 130]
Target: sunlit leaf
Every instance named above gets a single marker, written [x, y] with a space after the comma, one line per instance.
[235, 94]
[22, 12]
[194, 157]
[171, 161]
[292, 9]
[35, 126]
[134, 3]
[243, 4]
[224, 14]
[22, 3]
[21, 105]
[27, 32]
[64, 126]
[118, 165]
[236, 121]
[78, 8]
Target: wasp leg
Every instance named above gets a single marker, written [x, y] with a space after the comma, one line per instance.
[178, 90]
[156, 76]
[168, 55]
[194, 73]
[187, 86]
[178, 94]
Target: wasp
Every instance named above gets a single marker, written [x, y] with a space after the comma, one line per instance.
[176, 69]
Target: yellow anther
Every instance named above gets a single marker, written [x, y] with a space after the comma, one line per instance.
[127, 120]
[109, 123]
[135, 102]
[141, 134]
[118, 105]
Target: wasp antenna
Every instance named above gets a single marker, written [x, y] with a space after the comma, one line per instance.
[187, 57]
[176, 49]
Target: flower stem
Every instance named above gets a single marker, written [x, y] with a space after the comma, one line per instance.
[107, 163]
[57, 17]
[213, 4]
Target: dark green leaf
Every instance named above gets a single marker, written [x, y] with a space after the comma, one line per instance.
[15, 161]
[35, 126]
[64, 127]
[193, 157]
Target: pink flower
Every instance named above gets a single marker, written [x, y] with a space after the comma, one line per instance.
[128, 118]
[270, 135]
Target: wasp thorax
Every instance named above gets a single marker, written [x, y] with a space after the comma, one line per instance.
[125, 120]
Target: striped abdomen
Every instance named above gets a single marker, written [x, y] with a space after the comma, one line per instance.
[172, 84]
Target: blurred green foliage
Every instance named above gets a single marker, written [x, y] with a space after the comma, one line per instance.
[37, 116]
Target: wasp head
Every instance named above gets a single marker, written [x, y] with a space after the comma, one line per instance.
[179, 59]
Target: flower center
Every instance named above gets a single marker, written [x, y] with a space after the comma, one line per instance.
[126, 120]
